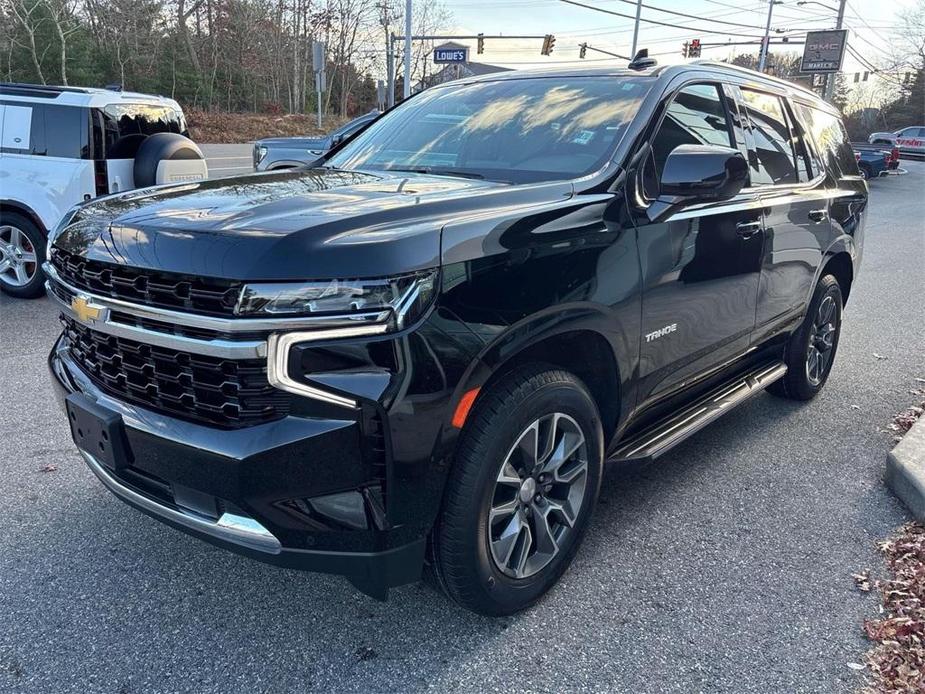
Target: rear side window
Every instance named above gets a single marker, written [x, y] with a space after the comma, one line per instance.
[831, 139]
[774, 160]
[696, 116]
[51, 131]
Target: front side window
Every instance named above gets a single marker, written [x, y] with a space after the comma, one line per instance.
[695, 117]
[518, 130]
[774, 159]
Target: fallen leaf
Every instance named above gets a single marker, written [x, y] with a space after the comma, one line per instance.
[48, 468]
[856, 666]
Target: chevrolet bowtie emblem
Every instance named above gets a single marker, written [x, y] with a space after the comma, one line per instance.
[84, 310]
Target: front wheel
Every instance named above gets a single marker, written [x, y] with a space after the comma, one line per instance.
[524, 484]
[22, 251]
[811, 350]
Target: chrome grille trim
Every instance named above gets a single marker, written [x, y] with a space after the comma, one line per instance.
[220, 325]
[225, 349]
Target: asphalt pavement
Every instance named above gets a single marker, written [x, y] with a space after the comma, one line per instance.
[228, 160]
[726, 567]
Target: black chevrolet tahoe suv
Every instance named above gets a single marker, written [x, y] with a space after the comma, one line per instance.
[414, 359]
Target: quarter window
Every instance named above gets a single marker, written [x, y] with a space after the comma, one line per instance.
[774, 159]
[831, 139]
[695, 117]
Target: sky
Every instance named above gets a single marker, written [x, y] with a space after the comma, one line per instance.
[870, 22]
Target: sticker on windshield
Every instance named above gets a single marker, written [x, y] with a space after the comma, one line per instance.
[583, 137]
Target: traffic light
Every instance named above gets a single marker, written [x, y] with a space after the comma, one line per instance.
[693, 50]
[481, 48]
[549, 42]
[685, 47]
[583, 50]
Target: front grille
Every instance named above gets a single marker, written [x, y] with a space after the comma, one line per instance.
[221, 392]
[163, 289]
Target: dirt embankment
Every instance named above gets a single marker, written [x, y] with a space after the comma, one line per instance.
[207, 127]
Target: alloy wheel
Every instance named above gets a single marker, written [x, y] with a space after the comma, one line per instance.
[538, 495]
[18, 261]
[822, 340]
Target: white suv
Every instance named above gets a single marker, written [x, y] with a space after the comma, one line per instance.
[60, 146]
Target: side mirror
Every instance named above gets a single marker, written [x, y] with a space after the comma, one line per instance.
[336, 140]
[698, 173]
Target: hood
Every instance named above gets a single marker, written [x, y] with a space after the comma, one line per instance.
[322, 144]
[289, 225]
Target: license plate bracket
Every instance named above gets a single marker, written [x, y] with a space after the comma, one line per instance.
[98, 431]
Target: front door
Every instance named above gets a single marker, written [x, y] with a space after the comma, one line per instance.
[700, 267]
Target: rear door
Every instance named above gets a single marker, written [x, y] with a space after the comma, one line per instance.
[795, 201]
[701, 265]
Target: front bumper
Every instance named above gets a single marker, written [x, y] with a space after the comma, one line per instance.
[273, 492]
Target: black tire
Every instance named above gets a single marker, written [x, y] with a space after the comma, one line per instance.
[463, 562]
[157, 148]
[802, 381]
[26, 236]
[866, 172]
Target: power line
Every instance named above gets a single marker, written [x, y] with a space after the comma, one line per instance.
[693, 16]
[656, 22]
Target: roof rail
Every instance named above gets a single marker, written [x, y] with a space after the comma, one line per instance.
[46, 91]
[748, 71]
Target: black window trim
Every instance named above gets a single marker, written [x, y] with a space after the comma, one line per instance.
[667, 98]
[817, 178]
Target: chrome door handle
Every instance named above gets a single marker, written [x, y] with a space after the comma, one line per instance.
[818, 215]
[748, 229]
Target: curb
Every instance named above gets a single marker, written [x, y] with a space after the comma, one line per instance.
[905, 469]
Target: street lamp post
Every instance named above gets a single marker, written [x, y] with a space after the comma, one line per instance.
[636, 26]
[766, 42]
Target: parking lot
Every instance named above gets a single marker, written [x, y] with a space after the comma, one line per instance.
[725, 567]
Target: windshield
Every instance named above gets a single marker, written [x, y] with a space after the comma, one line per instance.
[521, 130]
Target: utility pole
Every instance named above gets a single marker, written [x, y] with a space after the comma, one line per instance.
[636, 26]
[389, 56]
[832, 77]
[407, 85]
[766, 43]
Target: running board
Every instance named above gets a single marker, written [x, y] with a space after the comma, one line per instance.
[650, 443]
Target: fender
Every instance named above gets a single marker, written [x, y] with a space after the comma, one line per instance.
[623, 344]
[842, 244]
[282, 164]
[25, 210]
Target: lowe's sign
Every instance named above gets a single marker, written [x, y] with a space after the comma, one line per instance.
[451, 53]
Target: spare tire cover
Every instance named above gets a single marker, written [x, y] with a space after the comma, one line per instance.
[155, 149]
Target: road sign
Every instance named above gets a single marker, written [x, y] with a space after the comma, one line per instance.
[451, 53]
[824, 51]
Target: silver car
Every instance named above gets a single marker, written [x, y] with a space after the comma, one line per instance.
[273, 153]
[910, 140]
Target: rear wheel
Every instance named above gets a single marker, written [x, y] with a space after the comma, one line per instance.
[22, 251]
[523, 488]
[866, 172]
[811, 350]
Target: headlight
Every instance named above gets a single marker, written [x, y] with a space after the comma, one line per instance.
[260, 153]
[404, 298]
[62, 224]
